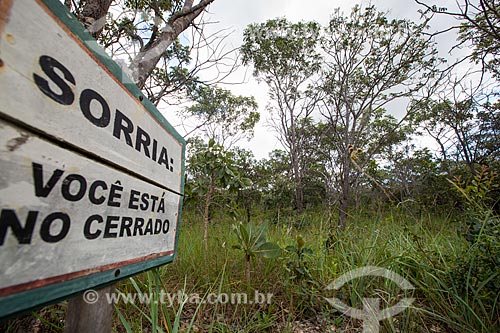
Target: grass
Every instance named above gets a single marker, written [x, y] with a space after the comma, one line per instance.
[424, 249]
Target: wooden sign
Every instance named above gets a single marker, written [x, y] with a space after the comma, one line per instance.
[91, 173]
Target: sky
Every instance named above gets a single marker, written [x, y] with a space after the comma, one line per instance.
[235, 15]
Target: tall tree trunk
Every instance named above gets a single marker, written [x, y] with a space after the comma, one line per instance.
[299, 195]
[299, 192]
[344, 208]
[345, 192]
[206, 214]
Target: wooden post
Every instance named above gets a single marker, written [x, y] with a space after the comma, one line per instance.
[86, 316]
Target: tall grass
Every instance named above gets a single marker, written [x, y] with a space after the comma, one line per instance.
[424, 249]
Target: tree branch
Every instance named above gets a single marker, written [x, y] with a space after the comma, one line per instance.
[144, 63]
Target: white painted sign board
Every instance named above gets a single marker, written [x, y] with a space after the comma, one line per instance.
[91, 174]
[70, 94]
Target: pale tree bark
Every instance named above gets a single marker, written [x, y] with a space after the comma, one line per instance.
[345, 174]
[345, 201]
[145, 61]
[295, 161]
[92, 14]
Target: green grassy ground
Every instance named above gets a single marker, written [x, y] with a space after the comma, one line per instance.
[425, 250]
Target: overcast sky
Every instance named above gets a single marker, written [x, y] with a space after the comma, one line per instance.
[235, 15]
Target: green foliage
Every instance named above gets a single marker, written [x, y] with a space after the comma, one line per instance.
[487, 135]
[480, 28]
[211, 164]
[301, 274]
[277, 184]
[423, 250]
[212, 175]
[226, 118]
[297, 263]
[478, 274]
[476, 190]
[375, 68]
[363, 62]
[284, 55]
[164, 5]
[415, 176]
[465, 129]
[138, 24]
[369, 62]
[278, 48]
[156, 312]
[252, 242]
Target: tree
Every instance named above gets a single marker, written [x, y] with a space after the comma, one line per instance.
[143, 36]
[284, 56]
[222, 116]
[252, 242]
[276, 184]
[479, 27]
[248, 167]
[167, 21]
[370, 61]
[415, 176]
[488, 134]
[464, 124]
[211, 171]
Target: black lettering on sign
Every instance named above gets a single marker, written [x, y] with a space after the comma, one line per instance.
[154, 198]
[9, 219]
[48, 65]
[145, 201]
[86, 98]
[155, 145]
[166, 226]
[142, 139]
[81, 187]
[87, 232]
[134, 199]
[113, 226]
[126, 225]
[158, 224]
[149, 227]
[139, 223]
[41, 189]
[92, 192]
[163, 159]
[123, 125]
[110, 225]
[45, 230]
[96, 110]
[115, 193]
